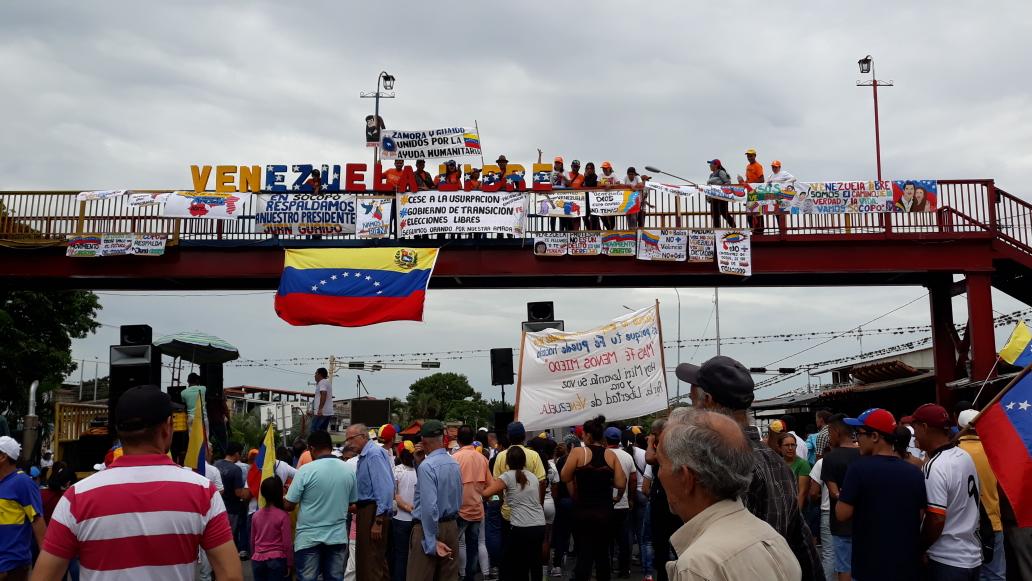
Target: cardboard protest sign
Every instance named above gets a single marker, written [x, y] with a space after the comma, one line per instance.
[616, 370]
[116, 244]
[434, 212]
[305, 214]
[446, 143]
[619, 242]
[84, 245]
[551, 243]
[663, 245]
[585, 243]
[734, 252]
[556, 204]
[700, 246]
[615, 203]
[373, 218]
[149, 244]
[210, 205]
[727, 193]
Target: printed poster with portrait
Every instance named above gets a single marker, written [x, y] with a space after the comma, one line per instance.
[551, 244]
[915, 195]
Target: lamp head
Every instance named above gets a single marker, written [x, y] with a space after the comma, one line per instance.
[653, 169]
[388, 82]
[865, 64]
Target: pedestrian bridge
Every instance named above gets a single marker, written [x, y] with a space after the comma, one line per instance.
[979, 234]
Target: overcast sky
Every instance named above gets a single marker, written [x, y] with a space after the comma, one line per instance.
[130, 94]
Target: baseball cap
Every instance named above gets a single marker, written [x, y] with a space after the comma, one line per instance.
[10, 447]
[965, 417]
[450, 162]
[432, 429]
[776, 163]
[750, 151]
[725, 379]
[516, 431]
[558, 158]
[143, 406]
[607, 164]
[612, 434]
[714, 160]
[932, 414]
[875, 419]
[575, 162]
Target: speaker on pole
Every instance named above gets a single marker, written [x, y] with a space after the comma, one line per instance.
[135, 335]
[501, 366]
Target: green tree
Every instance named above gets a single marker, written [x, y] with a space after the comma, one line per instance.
[472, 411]
[433, 395]
[37, 329]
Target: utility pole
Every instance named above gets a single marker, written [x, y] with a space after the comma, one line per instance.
[867, 66]
[716, 306]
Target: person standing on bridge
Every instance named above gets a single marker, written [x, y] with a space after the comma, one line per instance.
[719, 177]
[424, 181]
[323, 401]
[753, 177]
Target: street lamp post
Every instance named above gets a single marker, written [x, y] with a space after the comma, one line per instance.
[867, 66]
[654, 169]
[388, 85]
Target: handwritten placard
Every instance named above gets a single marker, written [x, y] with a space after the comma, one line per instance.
[734, 252]
[700, 246]
[615, 370]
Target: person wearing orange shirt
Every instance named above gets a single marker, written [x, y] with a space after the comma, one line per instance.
[393, 175]
[473, 179]
[753, 175]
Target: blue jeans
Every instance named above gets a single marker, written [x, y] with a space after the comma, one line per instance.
[326, 559]
[827, 546]
[469, 532]
[942, 572]
[401, 530]
[320, 423]
[242, 532]
[843, 553]
[997, 568]
[643, 533]
[493, 529]
[269, 570]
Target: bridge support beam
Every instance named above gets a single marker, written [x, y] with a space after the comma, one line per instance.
[944, 347]
[980, 325]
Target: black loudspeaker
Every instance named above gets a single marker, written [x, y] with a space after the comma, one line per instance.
[371, 412]
[211, 379]
[501, 366]
[502, 421]
[131, 365]
[541, 311]
[135, 335]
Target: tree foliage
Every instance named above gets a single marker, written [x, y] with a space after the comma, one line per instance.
[450, 397]
[37, 329]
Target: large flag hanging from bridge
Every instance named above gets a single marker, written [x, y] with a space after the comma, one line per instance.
[354, 287]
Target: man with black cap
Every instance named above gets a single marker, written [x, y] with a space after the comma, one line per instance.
[723, 384]
[435, 533]
[158, 512]
[883, 496]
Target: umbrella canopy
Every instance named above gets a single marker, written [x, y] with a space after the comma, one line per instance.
[197, 347]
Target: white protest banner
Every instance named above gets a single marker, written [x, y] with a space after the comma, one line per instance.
[433, 212]
[141, 199]
[210, 205]
[446, 143]
[734, 252]
[149, 244]
[585, 243]
[615, 202]
[373, 218]
[727, 193]
[305, 214]
[98, 195]
[663, 245]
[619, 242]
[84, 245]
[551, 243]
[116, 244]
[700, 246]
[616, 370]
[560, 204]
[671, 189]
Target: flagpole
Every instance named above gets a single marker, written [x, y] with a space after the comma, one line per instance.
[477, 127]
[1021, 375]
[986, 382]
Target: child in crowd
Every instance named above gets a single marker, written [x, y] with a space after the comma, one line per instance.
[272, 547]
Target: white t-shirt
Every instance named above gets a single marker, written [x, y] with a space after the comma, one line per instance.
[211, 473]
[627, 463]
[523, 502]
[952, 486]
[640, 466]
[815, 475]
[405, 478]
[327, 408]
[551, 477]
[609, 180]
[632, 182]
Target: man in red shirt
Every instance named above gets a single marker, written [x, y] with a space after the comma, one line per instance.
[144, 517]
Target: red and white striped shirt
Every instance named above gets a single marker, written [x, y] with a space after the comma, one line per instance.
[142, 518]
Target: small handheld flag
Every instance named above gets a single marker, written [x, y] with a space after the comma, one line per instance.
[1018, 350]
[264, 463]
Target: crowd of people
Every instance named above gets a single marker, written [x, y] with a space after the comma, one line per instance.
[699, 494]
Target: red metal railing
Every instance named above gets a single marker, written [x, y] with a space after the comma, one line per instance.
[963, 207]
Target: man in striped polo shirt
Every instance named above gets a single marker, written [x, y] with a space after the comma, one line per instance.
[144, 517]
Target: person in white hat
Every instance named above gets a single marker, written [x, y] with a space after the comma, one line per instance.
[18, 491]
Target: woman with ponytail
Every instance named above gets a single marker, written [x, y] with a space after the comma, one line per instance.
[524, 497]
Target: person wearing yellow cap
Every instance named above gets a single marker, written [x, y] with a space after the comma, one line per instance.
[753, 176]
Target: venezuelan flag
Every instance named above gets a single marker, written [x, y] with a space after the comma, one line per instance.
[264, 465]
[1018, 350]
[472, 140]
[649, 238]
[197, 449]
[354, 287]
[631, 203]
[611, 237]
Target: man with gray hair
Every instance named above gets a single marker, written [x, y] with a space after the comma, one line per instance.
[705, 465]
[375, 485]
